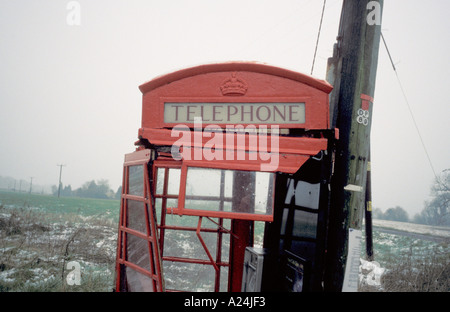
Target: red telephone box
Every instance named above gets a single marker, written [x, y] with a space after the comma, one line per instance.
[229, 156]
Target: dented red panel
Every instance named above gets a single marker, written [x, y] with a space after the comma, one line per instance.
[236, 150]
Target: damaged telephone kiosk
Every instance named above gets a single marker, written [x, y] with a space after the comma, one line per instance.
[228, 189]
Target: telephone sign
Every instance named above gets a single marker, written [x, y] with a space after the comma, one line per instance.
[235, 113]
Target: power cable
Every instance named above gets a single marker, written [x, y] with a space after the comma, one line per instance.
[410, 110]
[318, 36]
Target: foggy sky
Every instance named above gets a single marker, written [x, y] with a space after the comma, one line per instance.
[69, 93]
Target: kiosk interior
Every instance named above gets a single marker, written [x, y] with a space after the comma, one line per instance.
[229, 156]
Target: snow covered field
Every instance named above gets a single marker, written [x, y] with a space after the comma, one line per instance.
[44, 242]
[37, 243]
[443, 232]
[412, 255]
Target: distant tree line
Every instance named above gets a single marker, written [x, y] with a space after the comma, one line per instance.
[392, 214]
[90, 189]
[436, 211]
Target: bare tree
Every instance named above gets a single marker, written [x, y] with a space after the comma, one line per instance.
[437, 210]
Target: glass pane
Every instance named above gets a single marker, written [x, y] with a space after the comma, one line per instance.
[174, 181]
[190, 277]
[259, 234]
[185, 244]
[202, 204]
[137, 251]
[263, 192]
[229, 190]
[225, 247]
[203, 182]
[176, 220]
[136, 219]
[173, 186]
[304, 226]
[228, 183]
[172, 203]
[158, 204]
[136, 180]
[137, 282]
[223, 279]
[160, 180]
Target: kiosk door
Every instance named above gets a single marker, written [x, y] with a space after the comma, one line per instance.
[138, 259]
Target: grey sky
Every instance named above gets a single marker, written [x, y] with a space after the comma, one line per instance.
[69, 94]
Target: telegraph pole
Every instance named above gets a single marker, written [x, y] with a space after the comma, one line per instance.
[31, 184]
[352, 71]
[60, 172]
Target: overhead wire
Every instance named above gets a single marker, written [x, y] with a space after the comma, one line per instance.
[318, 36]
[288, 18]
[410, 111]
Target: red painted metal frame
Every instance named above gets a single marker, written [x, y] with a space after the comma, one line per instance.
[236, 66]
[217, 263]
[287, 145]
[197, 231]
[140, 158]
[292, 152]
[182, 210]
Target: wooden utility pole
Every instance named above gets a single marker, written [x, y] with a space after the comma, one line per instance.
[60, 172]
[31, 184]
[352, 71]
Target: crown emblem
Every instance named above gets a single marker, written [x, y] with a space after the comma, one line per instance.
[234, 86]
